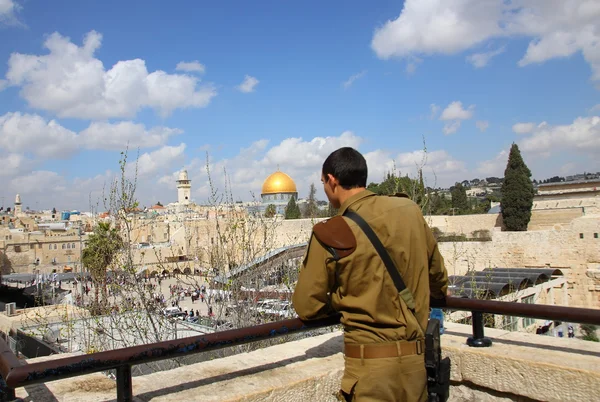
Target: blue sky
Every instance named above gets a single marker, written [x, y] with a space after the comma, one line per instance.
[271, 83]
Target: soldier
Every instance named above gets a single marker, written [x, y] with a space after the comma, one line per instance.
[342, 272]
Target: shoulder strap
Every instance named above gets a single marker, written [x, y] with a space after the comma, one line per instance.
[403, 291]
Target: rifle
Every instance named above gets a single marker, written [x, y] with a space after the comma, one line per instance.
[438, 369]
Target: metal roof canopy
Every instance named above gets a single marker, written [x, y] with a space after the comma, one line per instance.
[497, 282]
[476, 284]
[518, 280]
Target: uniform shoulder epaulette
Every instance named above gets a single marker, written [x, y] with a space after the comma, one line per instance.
[402, 195]
[336, 236]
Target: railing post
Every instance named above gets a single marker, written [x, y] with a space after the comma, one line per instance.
[6, 394]
[478, 340]
[124, 386]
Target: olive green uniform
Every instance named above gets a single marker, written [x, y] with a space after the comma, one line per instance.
[360, 288]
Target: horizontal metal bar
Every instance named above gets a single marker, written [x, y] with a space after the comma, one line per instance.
[16, 374]
[84, 364]
[541, 311]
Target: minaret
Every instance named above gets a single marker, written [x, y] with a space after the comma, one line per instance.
[184, 188]
[18, 208]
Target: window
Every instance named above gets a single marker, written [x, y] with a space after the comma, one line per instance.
[39, 245]
[63, 246]
[595, 235]
[68, 246]
[72, 245]
[510, 323]
[49, 246]
[528, 300]
[581, 235]
[55, 246]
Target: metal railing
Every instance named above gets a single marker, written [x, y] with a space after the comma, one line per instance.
[15, 374]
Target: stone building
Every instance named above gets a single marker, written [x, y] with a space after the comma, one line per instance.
[277, 190]
[184, 188]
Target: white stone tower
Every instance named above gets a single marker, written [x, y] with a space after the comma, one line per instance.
[184, 188]
[18, 207]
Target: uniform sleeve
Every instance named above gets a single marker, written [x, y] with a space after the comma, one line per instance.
[438, 276]
[311, 297]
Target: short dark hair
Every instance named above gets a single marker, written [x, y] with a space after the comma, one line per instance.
[348, 166]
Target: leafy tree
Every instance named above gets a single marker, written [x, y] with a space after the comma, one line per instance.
[159, 204]
[292, 211]
[517, 192]
[439, 204]
[270, 211]
[460, 202]
[312, 209]
[102, 248]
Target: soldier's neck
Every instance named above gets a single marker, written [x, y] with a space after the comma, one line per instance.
[345, 194]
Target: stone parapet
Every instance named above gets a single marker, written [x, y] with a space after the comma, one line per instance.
[518, 366]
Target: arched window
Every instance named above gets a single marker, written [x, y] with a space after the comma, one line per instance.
[68, 246]
[63, 246]
[73, 245]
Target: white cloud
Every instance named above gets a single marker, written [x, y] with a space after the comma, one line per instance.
[557, 28]
[39, 182]
[451, 127]
[70, 82]
[47, 189]
[27, 133]
[439, 167]
[455, 111]
[8, 13]
[453, 114]
[14, 164]
[117, 136]
[152, 163]
[494, 167]
[32, 134]
[313, 152]
[582, 135]
[479, 60]
[157, 171]
[248, 84]
[191, 66]
[434, 111]
[348, 83]
[523, 128]
[482, 125]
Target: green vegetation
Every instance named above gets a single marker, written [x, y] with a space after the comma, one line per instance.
[270, 211]
[589, 332]
[311, 210]
[517, 192]
[102, 248]
[292, 211]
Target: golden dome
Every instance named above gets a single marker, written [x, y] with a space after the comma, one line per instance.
[279, 182]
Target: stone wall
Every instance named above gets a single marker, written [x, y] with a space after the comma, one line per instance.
[465, 224]
[563, 249]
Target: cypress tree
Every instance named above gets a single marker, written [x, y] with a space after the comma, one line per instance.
[460, 202]
[517, 192]
[292, 211]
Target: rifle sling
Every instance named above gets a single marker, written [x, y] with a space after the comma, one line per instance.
[403, 291]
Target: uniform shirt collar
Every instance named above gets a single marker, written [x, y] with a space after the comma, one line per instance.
[354, 199]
